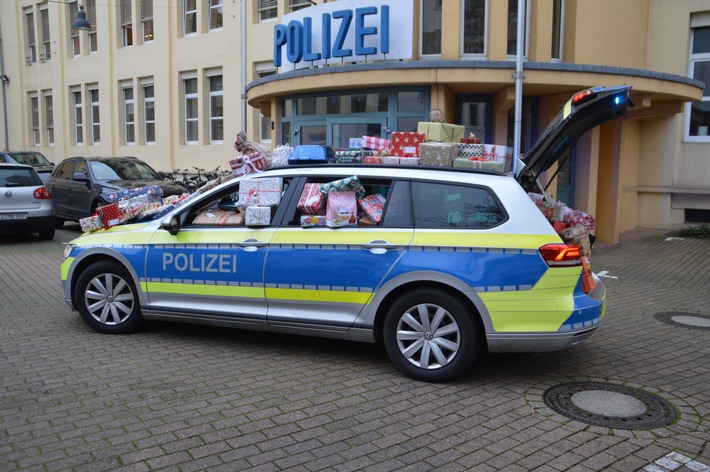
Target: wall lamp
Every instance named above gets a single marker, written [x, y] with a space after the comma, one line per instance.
[81, 23]
[5, 79]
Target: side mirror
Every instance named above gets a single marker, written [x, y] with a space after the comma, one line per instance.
[81, 177]
[171, 224]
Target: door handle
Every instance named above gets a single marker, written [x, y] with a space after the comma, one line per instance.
[251, 245]
[379, 246]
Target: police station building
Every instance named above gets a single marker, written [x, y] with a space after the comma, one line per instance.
[194, 72]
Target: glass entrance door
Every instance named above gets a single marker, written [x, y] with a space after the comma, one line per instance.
[344, 130]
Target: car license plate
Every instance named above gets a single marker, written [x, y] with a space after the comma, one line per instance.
[13, 216]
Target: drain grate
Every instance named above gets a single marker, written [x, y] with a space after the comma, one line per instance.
[686, 320]
[609, 405]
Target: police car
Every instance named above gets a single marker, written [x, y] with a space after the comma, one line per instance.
[459, 262]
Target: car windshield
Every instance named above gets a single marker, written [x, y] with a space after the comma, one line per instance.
[122, 170]
[30, 159]
[19, 178]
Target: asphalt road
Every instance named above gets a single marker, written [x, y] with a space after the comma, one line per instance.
[183, 398]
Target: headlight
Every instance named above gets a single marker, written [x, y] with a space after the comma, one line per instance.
[68, 249]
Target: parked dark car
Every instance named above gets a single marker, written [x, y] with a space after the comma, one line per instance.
[32, 158]
[79, 184]
[25, 203]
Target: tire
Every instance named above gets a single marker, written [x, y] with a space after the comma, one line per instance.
[59, 223]
[431, 353]
[107, 299]
[47, 234]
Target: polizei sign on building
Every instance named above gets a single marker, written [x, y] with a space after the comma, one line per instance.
[345, 31]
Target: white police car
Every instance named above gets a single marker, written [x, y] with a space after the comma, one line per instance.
[459, 262]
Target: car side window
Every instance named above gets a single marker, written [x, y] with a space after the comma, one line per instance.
[443, 206]
[81, 167]
[65, 170]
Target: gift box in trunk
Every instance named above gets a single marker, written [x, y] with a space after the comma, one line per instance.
[258, 215]
[440, 132]
[110, 215]
[265, 191]
[438, 154]
[406, 144]
[311, 221]
[341, 209]
[312, 201]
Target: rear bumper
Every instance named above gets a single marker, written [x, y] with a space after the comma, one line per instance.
[30, 225]
[538, 342]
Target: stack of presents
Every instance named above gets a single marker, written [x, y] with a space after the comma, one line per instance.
[343, 202]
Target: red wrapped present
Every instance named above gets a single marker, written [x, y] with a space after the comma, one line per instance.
[406, 144]
[580, 218]
[372, 206]
[312, 201]
[473, 140]
[372, 160]
[90, 223]
[247, 163]
[371, 142]
[588, 282]
[110, 215]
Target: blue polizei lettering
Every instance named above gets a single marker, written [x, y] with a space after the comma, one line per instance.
[361, 31]
[347, 18]
[385, 29]
[279, 40]
[325, 36]
[294, 48]
[202, 263]
[308, 54]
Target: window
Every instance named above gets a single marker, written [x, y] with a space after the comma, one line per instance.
[295, 5]
[95, 122]
[431, 27]
[699, 112]
[558, 15]
[31, 46]
[190, 17]
[215, 14]
[191, 115]
[78, 119]
[513, 28]
[264, 121]
[126, 24]
[91, 18]
[442, 206]
[147, 20]
[267, 9]
[34, 118]
[73, 34]
[129, 117]
[474, 27]
[216, 110]
[149, 113]
[46, 53]
[49, 117]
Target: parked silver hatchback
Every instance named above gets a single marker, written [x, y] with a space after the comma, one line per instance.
[26, 205]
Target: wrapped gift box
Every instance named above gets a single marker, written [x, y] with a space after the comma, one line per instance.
[258, 215]
[485, 164]
[90, 223]
[366, 221]
[409, 161]
[438, 154]
[153, 193]
[406, 144]
[441, 132]
[110, 215]
[391, 160]
[343, 185]
[312, 201]
[472, 139]
[553, 211]
[247, 163]
[310, 221]
[580, 218]
[470, 150]
[371, 142]
[280, 155]
[372, 206]
[347, 157]
[341, 209]
[265, 191]
[372, 160]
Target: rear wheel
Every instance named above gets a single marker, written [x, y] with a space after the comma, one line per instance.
[59, 223]
[430, 335]
[107, 299]
[46, 235]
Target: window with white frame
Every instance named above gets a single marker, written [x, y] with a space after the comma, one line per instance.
[474, 27]
[78, 118]
[216, 109]
[264, 70]
[191, 110]
[216, 14]
[34, 118]
[73, 33]
[267, 9]
[126, 23]
[49, 117]
[513, 27]
[31, 45]
[95, 119]
[295, 5]
[558, 17]
[189, 17]
[148, 112]
[431, 27]
[698, 118]
[91, 18]
[147, 20]
[129, 115]
[46, 53]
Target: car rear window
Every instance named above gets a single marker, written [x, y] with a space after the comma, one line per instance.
[19, 178]
[441, 206]
[30, 159]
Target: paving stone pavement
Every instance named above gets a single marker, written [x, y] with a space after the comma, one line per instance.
[183, 398]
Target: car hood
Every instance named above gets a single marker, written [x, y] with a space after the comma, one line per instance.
[584, 111]
[168, 188]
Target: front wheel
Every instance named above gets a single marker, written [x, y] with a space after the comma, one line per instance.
[107, 299]
[430, 335]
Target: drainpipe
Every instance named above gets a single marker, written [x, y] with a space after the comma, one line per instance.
[518, 85]
[5, 81]
[244, 63]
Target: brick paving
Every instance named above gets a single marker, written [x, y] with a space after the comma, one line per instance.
[185, 398]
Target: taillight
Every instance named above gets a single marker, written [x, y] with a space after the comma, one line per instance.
[561, 255]
[581, 97]
[42, 193]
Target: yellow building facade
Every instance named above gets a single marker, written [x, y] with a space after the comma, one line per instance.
[172, 81]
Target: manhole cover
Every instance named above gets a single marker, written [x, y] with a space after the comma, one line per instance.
[609, 405]
[686, 320]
